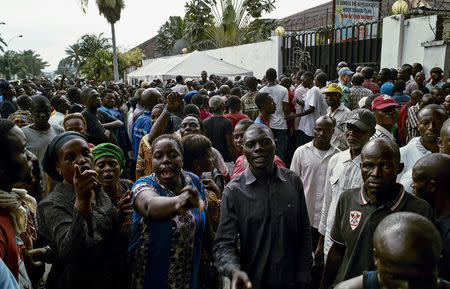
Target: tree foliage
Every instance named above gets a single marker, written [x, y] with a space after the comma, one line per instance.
[26, 63]
[218, 23]
[92, 56]
[74, 59]
[90, 43]
[131, 58]
[65, 67]
[99, 67]
[111, 9]
[169, 33]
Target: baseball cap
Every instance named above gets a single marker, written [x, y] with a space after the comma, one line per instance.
[436, 69]
[345, 70]
[188, 80]
[363, 118]
[383, 101]
[333, 87]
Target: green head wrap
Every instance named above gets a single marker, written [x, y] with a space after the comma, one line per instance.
[109, 149]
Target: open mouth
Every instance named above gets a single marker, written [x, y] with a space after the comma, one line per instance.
[108, 177]
[84, 168]
[167, 173]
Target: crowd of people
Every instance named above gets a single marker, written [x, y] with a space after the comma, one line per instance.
[289, 181]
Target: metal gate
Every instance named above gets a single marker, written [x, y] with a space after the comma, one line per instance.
[325, 47]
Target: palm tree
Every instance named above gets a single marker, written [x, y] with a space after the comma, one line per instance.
[74, 58]
[232, 18]
[111, 10]
[90, 43]
[168, 34]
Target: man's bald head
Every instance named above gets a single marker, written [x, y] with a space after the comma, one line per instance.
[401, 233]
[434, 108]
[431, 178]
[259, 128]
[325, 119]
[427, 99]
[382, 144]
[435, 166]
[150, 98]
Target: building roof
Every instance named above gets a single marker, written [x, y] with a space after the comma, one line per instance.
[149, 47]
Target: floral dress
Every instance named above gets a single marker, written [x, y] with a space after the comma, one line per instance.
[166, 254]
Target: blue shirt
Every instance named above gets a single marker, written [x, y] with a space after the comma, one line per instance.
[401, 98]
[188, 96]
[431, 86]
[141, 127]
[387, 88]
[6, 277]
[262, 121]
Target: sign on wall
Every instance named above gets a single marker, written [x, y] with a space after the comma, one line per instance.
[351, 12]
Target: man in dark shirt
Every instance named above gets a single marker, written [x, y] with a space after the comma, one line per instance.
[359, 211]
[265, 208]
[406, 250]
[98, 122]
[204, 79]
[431, 182]
[7, 105]
[219, 130]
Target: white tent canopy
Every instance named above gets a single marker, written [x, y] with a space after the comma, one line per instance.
[186, 65]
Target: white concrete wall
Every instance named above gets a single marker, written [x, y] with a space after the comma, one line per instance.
[256, 57]
[437, 53]
[415, 32]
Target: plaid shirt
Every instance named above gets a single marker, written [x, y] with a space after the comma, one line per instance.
[412, 123]
[371, 85]
[356, 93]
[21, 118]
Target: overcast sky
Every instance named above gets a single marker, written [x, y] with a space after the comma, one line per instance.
[48, 26]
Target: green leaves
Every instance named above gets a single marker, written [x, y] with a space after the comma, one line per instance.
[211, 24]
[111, 9]
[25, 63]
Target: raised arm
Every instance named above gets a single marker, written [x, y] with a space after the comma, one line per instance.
[174, 99]
[149, 203]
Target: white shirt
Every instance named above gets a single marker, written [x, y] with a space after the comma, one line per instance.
[57, 118]
[343, 173]
[311, 167]
[315, 98]
[409, 155]
[341, 114]
[382, 132]
[299, 94]
[279, 95]
[180, 88]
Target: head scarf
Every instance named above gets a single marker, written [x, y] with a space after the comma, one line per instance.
[14, 203]
[109, 149]
[51, 154]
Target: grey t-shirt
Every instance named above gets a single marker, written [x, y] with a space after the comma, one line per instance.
[37, 141]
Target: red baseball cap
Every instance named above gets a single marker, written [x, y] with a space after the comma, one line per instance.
[383, 101]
